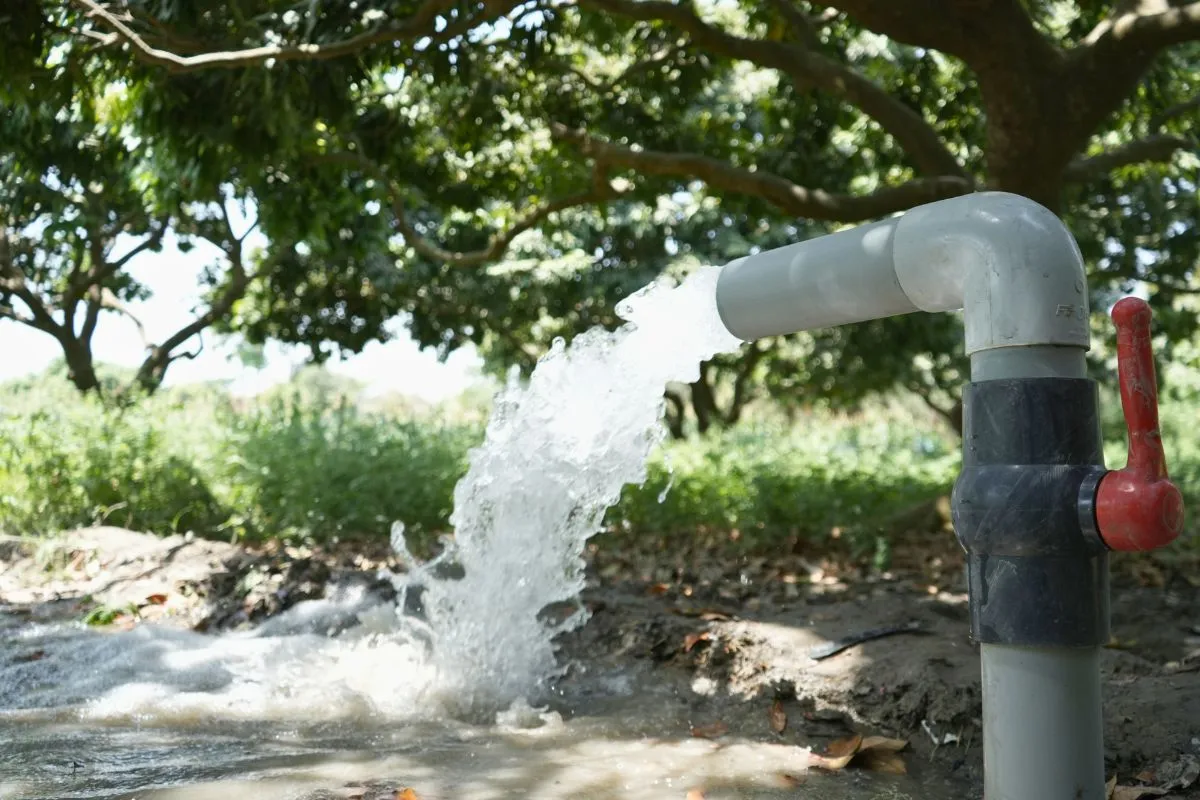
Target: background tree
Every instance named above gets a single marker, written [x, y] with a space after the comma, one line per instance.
[513, 159]
[80, 198]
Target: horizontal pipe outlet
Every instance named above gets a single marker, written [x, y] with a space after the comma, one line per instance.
[1009, 263]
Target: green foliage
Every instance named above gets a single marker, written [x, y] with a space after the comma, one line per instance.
[298, 468]
[302, 463]
[382, 178]
[103, 615]
[772, 483]
[311, 465]
[81, 462]
[306, 463]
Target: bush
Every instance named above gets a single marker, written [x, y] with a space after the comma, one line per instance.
[82, 463]
[769, 483]
[304, 465]
[298, 467]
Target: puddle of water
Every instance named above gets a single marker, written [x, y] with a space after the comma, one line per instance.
[630, 747]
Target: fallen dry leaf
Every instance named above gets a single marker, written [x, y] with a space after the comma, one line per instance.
[883, 743]
[1149, 575]
[1136, 792]
[709, 731]
[888, 761]
[706, 614]
[838, 754]
[778, 717]
[693, 639]
[695, 794]
[659, 589]
[156, 599]
[877, 753]
[407, 794]
[1178, 774]
[1145, 776]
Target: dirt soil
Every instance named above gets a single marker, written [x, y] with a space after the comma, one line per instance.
[739, 631]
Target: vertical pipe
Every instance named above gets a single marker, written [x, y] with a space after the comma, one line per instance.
[1042, 726]
[1043, 735]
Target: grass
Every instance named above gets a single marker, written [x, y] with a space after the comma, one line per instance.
[304, 465]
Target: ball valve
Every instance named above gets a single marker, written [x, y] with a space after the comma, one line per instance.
[1137, 508]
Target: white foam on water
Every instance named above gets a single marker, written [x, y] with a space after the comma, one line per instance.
[556, 454]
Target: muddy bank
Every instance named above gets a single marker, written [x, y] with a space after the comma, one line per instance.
[729, 641]
[124, 578]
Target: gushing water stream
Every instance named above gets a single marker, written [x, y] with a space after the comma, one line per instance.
[556, 456]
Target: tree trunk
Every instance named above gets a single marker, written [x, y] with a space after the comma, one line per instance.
[152, 371]
[81, 369]
[704, 402]
[674, 414]
[955, 417]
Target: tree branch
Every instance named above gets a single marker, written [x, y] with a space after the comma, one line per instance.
[12, 282]
[419, 25]
[153, 240]
[150, 373]
[1141, 28]
[92, 313]
[10, 313]
[90, 282]
[498, 243]
[101, 298]
[741, 382]
[789, 197]
[804, 28]
[806, 68]
[1160, 148]
[1174, 112]
[985, 34]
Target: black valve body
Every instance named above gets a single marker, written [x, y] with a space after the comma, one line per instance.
[1036, 574]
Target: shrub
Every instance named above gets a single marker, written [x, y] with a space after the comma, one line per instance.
[771, 482]
[298, 467]
[315, 466]
[83, 463]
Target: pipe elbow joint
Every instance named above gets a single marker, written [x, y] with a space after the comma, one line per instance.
[1009, 263]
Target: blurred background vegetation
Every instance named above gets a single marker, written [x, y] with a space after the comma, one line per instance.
[498, 174]
[311, 461]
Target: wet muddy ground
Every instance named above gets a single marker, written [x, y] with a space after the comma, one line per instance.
[712, 656]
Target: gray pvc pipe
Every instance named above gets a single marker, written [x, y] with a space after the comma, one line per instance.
[820, 283]
[1017, 274]
[1043, 732]
[1042, 728]
[1046, 361]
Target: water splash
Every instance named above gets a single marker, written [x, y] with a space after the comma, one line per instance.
[556, 456]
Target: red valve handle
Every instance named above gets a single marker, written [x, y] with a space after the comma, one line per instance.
[1138, 508]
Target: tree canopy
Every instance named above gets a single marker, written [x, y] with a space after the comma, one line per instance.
[503, 172]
